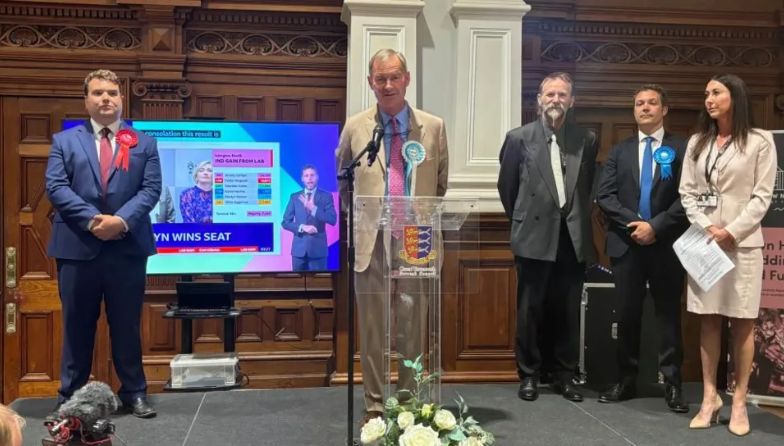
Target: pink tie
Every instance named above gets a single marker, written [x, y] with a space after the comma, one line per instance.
[396, 174]
[106, 158]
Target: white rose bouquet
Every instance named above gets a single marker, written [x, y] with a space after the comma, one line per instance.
[416, 423]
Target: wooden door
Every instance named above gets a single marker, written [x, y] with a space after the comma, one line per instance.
[32, 335]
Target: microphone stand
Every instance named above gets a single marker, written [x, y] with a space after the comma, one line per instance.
[347, 174]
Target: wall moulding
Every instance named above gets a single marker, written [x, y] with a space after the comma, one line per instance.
[547, 27]
[721, 13]
[266, 44]
[59, 14]
[161, 90]
[619, 52]
[70, 37]
[203, 17]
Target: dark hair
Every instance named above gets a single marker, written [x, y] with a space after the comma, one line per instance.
[707, 129]
[308, 166]
[104, 75]
[654, 87]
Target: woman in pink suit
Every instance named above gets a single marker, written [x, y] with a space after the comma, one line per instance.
[726, 188]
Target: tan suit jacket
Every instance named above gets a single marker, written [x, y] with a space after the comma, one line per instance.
[745, 186]
[431, 174]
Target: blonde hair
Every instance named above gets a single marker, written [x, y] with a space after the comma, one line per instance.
[196, 170]
[384, 54]
[105, 75]
[10, 422]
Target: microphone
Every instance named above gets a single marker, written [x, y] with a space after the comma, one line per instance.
[85, 414]
[374, 145]
[91, 403]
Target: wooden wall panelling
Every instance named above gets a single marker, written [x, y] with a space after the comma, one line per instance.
[479, 305]
[250, 108]
[31, 354]
[169, 70]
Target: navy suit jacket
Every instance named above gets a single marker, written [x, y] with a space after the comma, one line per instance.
[73, 186]
[310, 245]
[619, 195]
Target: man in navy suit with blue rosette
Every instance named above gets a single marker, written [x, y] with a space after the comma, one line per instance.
[638, 192]
[306, 216]
[103, 179]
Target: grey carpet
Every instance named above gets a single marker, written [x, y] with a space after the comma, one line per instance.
[316, 416]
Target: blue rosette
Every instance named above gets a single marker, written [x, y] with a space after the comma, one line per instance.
[664, 156]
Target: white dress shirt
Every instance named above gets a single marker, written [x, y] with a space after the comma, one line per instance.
[113, 128]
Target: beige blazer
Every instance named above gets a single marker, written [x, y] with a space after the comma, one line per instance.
[431, 174]
[744, 185]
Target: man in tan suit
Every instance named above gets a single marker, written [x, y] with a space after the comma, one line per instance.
[388, 176]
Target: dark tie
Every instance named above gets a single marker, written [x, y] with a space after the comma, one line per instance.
[646, 179]
[106, 158]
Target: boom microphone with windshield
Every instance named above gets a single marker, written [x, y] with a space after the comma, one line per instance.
[84, 419]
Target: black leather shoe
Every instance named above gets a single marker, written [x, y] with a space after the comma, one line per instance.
[528, 390]
[568, 391]
[140, 407]
[619, 392]
[674, 397]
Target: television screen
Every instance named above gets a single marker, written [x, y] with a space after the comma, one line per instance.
[242, 197]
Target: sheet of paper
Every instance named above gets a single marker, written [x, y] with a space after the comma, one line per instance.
[702, 257]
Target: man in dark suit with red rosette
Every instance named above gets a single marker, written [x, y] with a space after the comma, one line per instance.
[638, 191]
[103, 179]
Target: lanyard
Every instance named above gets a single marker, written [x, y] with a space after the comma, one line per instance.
[709, 172]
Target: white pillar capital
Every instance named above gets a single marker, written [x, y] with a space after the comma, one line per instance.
[489, 9]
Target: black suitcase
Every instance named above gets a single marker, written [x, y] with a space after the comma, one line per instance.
[599, 317]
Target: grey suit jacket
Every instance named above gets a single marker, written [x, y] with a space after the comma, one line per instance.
[527, 188]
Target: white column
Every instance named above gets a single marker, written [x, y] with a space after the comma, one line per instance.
[373, 25]
[486, 93]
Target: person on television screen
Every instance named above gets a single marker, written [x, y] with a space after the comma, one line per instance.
[421, 171]
[306, 216]
[196, 202]
[101, 237]
[163, 212]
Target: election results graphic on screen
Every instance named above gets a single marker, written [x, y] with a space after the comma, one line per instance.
[245, 197]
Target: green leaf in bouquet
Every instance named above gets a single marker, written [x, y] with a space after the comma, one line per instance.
[457, 434]
[392, 403]
[470, 421]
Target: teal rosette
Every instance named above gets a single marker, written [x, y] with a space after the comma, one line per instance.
[414, 154]
[664, 157]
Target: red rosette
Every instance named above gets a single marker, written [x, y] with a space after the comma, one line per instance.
[126, 139]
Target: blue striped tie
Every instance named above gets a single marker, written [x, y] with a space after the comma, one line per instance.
[646, 179]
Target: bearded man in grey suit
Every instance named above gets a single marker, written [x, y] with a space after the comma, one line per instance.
[547, 169]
